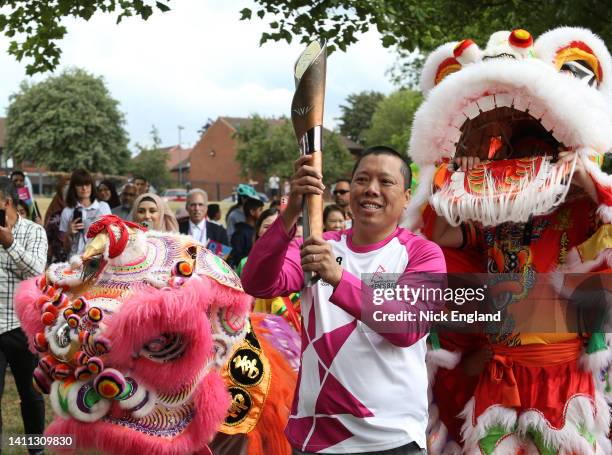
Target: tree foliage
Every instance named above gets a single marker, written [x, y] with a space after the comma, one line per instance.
[151, 162]
[65, 122]
[392, 121]
[423, 24]
[269, 147]
[357, 114]
[34, 25]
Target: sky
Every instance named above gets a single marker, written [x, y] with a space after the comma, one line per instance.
[199, 61]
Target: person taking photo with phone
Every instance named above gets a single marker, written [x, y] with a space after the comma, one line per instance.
[23, 255]
[82, 209]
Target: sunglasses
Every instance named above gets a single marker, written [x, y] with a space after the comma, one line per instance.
[341, 192]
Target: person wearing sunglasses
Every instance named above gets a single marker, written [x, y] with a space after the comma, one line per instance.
[342, 198]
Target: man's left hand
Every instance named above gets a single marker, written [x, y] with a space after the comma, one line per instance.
[6, 237]
[318, 257]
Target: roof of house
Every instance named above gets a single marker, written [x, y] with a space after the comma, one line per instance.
[237, 122]
[176, 154]
[183, 165]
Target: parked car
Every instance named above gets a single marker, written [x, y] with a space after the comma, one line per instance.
[175, 194]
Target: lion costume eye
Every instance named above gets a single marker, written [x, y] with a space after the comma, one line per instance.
[580, 70]
[580, 61]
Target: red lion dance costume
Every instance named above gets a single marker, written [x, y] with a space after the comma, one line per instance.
[146, 347]
[538, 116]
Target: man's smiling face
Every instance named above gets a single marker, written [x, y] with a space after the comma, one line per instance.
[378, 197]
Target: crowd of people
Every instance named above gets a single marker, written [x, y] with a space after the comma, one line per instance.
[32, 240]
[265, 247]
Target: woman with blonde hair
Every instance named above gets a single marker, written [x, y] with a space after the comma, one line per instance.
[152, 212]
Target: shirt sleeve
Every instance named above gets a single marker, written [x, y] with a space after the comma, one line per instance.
[65, 219]
[425, 270]
[30, 255]
[274, 267]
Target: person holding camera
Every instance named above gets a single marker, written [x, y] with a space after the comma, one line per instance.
[23, 255]
[82, 209]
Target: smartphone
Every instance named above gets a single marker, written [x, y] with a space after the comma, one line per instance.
[77, 214]
[2, 217]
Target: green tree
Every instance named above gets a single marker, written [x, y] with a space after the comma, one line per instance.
[67, 121]
[151, 162]
[268, 146]
[392, 121]
[35, 25]
[423, 24]
[357, 114]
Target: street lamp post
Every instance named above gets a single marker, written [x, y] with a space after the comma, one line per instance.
[180, 129]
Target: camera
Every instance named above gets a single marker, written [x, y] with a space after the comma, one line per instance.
[77, 214]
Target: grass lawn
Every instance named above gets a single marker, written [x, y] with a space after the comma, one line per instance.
[11, 413]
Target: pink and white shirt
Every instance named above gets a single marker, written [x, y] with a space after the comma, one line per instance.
[358, 390]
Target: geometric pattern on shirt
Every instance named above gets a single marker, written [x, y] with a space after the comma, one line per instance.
[335, 399]
[311, 329]
[328, 431]
[328, 345]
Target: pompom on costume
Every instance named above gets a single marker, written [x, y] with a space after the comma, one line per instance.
[515, 105]
[145, 346]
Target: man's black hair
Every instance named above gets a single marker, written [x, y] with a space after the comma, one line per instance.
[213, 209]
[251, 204]
[139, 177]
[17, 172]
[8, 190]
[384, 150]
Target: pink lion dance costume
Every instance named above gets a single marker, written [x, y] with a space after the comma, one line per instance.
[516, 105]
[146, 347]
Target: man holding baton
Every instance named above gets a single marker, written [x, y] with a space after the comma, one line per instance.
[362, 386]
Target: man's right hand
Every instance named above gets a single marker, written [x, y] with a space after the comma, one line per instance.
[305, 180]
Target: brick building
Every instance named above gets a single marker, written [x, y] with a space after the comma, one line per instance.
[212, 163]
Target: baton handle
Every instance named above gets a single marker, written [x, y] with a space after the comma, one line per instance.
[314, 202]
[313, 212]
